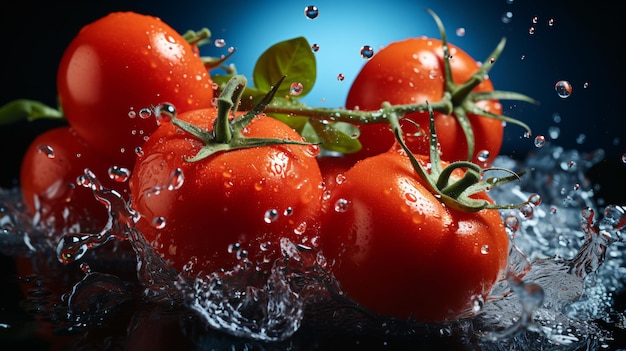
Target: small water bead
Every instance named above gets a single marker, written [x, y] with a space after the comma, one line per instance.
[288, 211]
[311, 12]
[535, 20]
[526, 210]
[540, 141]
[484, 249]
[46, 150]
[531, 30]
[296, 88]
[300, 228]
[159, 222]
[563, 89]
[312, 150]
[460, 32]
[176, 180]
[145, 113]
[132, 114]
[586, 85]
[119, 174]
[534, 199]
[342, 205]
[340, 77]
[483, 155]
[554, 132]
[624, 158]
[271, 215]
[580, 139]
[551, 22]
[553, 210]
[139, 151]
[315, 47]
[507, 17]
[220, 43]
[367, 52]
[164, 112]
[512, 223]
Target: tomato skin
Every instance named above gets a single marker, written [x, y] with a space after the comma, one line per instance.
[397, 250]
[225, 198]
[411, 71]
[48, 180]
[126, 62]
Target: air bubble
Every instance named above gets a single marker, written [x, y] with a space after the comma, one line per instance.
[367, 52]
[563, 89]
[311, 12]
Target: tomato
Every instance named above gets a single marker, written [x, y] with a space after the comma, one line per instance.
[397, 250]
[119, 66]
[49, 181]
[411, 71]
[232, 207]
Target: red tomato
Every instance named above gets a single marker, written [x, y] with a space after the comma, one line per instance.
[232, 207]
[411, 71]
[48, 179]
[119, 65]
[398, 251]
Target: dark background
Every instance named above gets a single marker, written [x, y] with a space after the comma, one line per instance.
[584, 45]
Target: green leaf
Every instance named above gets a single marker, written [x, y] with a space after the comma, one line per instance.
[29, 110]
[336, 136]
[292, 58]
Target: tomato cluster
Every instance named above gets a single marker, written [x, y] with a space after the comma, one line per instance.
[404, 221]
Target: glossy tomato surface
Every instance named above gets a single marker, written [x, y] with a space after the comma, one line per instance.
[116, 69]
[411, 71]
[232, 207]
[49, 181]
[398, 251]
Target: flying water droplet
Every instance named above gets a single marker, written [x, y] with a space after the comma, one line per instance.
[563, 89]
[460, 32]
[534, 199]
[271, 215]
[340, 77]
[367, 52]
[46, 150]
[119, 174]
[540, 141]
[295, 89]
[483, 155]
[220, 43]
[311, 12]
[342, 205]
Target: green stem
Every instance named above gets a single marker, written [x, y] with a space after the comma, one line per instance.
[227, 102]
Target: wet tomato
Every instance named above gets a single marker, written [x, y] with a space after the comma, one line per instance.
[397, 250]
[411, 71]
[232, 208]
[49, 180]
[119, 66]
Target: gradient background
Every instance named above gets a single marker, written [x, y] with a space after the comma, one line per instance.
[582, 46]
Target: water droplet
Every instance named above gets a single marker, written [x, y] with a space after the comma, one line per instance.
[484, 249]
[531, 30]
[550, 22]
[145, 113]
[342, 205]
[158, 222]
[554, 132]
[367, 52]
[483, 155]
[553, 210]
[119, 174]
[271, 215]
[312, 150]
[300, 228]
[220, 43]
[534, 199]
[176, 180]
[288, 211]
[535, 20]
[139, 151]
[315, 47]
[460, 32]
[340, 178]
[624, 158]
[580, 139]
[296, 88]
[311, 12]
[586, 85]
[563, 89]
[512, 223]
[164, 112]
[540, 141]
[526, 210]
[340, 77]
[132, 114]
[46, 150]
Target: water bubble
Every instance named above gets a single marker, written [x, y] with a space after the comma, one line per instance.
[315, 47]
[342, 205]
[295, 89]
[220, 43]
[300, 228]
[460, 32]
[340, 77]
[311, 12]
[367, 52]
[271, 215]
[119, 174]
[540, 141]
[563, 89]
